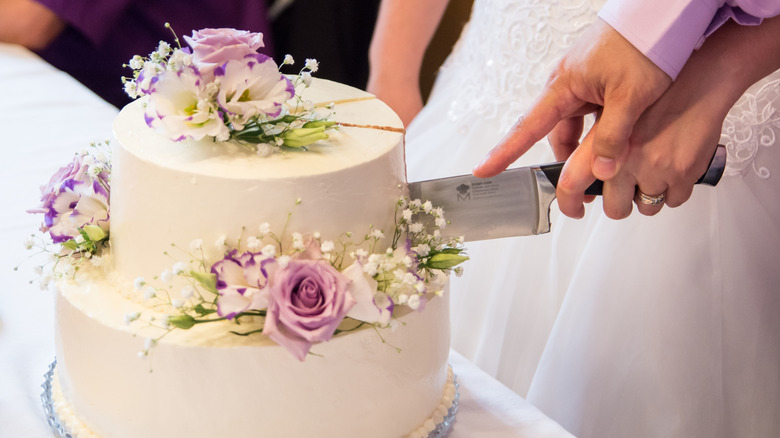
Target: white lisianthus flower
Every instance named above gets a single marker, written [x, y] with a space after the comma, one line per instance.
[181, 106]
[252, 86]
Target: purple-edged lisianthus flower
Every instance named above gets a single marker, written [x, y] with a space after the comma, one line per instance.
[370, 304]
[182, 104]
[250, 87]
[241, 282]
[212, 48]
[308, 299]
[73, 199]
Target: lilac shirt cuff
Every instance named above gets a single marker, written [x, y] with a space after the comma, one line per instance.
[666, 31]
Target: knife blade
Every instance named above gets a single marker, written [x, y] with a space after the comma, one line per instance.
[515, 202]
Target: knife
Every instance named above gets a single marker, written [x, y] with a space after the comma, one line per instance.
[515, 202]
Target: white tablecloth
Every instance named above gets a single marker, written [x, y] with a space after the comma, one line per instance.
[46, 116]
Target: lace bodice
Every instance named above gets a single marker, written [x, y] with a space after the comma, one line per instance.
[506, 52]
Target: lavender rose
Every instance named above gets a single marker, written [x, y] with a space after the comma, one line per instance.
[307, 301]
[214, 47]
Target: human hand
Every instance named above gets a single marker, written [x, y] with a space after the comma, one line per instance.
[601, 72]
[673, 141]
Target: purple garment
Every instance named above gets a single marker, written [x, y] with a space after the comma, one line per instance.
[102, 35]
[667, 31]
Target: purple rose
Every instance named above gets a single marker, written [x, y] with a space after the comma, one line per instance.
[307, 301]
[240, 282]
[214, 47]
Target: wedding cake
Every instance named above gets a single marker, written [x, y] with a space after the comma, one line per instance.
[243, 262]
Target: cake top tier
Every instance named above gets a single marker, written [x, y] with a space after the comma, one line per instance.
[370, 129]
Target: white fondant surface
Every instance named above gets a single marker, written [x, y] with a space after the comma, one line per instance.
[165, 193]
[378, 383]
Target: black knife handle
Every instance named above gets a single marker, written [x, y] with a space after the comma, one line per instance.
[711, 176]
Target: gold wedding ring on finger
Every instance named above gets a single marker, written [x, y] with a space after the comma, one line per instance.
[649, 199]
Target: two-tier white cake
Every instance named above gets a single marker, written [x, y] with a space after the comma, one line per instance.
[379, 380]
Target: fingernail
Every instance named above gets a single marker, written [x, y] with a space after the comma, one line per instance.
[604, 168]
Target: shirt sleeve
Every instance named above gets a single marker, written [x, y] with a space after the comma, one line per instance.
[93, 18]
[668, 31]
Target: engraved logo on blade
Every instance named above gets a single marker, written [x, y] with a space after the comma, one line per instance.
[464, 192]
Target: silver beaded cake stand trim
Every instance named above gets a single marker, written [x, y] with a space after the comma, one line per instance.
[48, 405]
[441, 431]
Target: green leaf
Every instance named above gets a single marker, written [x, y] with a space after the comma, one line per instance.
[207, 280]
[94, 232]
[445, 261]
[70, 244]
[202, 311]
[182, 321]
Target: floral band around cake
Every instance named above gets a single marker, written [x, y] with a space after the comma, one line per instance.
[303, 287]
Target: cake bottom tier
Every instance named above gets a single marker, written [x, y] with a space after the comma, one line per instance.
[200, 383]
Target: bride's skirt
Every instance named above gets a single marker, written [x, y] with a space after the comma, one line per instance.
[664, 326]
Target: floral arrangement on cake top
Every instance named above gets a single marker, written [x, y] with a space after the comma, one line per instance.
[296, 289]
[221, 87]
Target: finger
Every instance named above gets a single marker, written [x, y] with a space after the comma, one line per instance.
[618, 194]
[610, 146]
[678, 194]
[565, 137]
[575, 177]
[649, 201]
[540, 119]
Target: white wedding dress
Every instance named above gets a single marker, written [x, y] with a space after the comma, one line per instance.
[664, 326]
